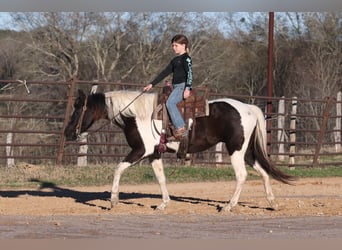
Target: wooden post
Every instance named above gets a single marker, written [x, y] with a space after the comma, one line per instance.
[10, 138]
[218, 154]
[293, 133]
[9, 150]
[270, 79]
[337, 133]
[83, 150]
[281, 125]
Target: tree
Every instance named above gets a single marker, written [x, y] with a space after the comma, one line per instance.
[319, 69]
[249, 49]
[55, 42]
[11, 59]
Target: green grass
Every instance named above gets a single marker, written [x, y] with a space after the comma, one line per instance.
[315, 172]
[33, 176]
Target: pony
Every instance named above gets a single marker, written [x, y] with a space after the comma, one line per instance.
[239, 125]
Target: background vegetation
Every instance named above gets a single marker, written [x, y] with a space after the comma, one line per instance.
[229, 50]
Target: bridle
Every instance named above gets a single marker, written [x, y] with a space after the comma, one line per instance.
[84, 108]
[80, 121]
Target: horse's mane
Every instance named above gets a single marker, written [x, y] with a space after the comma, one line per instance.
[129, 104]
[96, 100]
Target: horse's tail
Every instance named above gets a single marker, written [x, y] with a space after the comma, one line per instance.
[260, 149]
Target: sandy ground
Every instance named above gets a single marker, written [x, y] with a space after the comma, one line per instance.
[309, 209]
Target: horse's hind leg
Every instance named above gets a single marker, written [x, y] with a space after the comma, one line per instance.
[238, 163]
[157, 165]
[267, 185]
[120, 168]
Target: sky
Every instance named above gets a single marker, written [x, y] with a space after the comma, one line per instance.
[5, 20]
[175, 5]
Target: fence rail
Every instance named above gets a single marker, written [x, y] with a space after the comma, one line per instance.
[33, 114]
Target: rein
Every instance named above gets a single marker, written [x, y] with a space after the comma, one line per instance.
[80, 121]
[84, 108]
[134, 99]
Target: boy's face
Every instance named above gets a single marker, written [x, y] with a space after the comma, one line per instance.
[178, 48]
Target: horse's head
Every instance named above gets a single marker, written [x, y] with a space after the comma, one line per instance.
[87, 110]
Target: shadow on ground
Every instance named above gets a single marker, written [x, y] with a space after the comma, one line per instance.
[50, 189]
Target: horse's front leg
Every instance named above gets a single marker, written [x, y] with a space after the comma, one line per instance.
[120, 168]
[158, 168]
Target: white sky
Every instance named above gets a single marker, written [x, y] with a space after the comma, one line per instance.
[5, 21]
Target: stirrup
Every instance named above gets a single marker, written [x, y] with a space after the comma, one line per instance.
[180, 133]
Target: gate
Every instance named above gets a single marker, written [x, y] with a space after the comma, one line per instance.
[33, 115]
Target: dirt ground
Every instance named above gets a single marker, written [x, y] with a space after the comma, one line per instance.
[309, 209]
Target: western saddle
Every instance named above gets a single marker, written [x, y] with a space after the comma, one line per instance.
[194, 106]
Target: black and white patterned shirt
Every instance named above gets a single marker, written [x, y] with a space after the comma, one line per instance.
[181, 67]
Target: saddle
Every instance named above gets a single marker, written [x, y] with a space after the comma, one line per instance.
[194, 106]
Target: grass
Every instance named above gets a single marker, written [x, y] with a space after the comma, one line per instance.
[315, 172]
[31, 176]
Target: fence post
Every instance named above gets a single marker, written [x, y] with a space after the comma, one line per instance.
[218, 154]
[10, 138]
[66, 119]
[9, 150]
[293, 119]
[82, 160]
[326, 115]
[281, 125]
[337, 133]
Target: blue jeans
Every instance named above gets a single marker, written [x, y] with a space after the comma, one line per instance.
[175, 97]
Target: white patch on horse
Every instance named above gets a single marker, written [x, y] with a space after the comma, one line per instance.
[156, 130]
[120, 168]
[145, 131]
[248, 117]
[122, 102]
[139, 106]
[158, 168]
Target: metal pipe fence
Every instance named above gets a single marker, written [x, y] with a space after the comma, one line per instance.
[33, 115]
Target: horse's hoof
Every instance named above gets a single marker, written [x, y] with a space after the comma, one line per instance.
[113, 204]
[226, 209]
[162, 206]
[273, 205]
